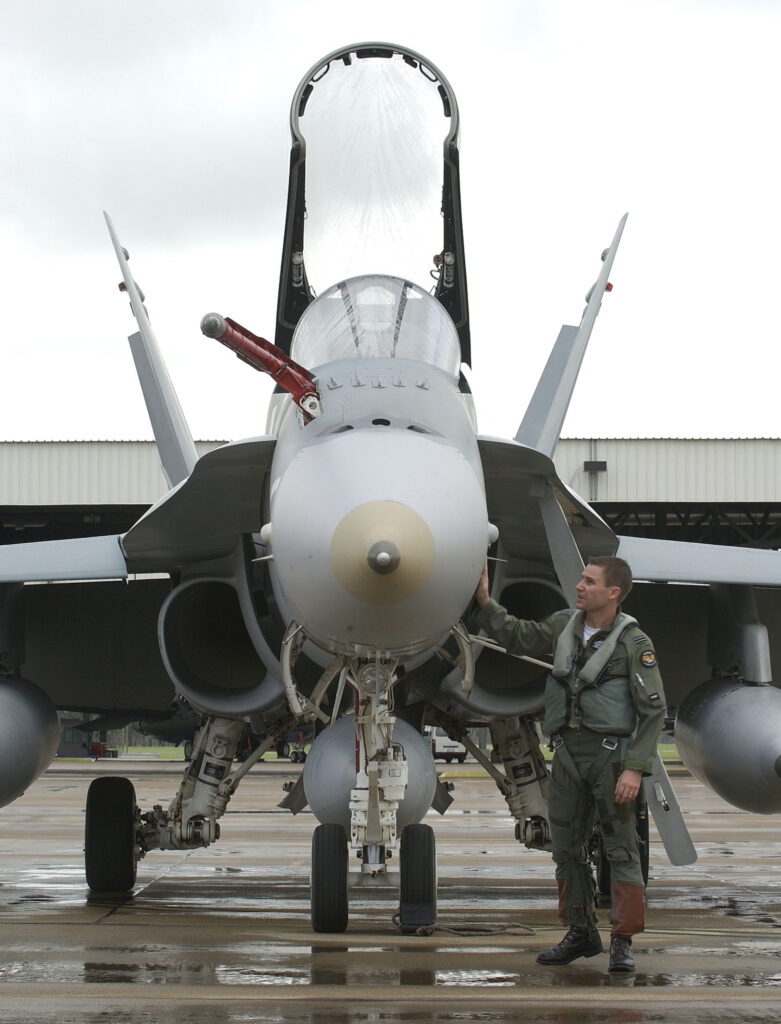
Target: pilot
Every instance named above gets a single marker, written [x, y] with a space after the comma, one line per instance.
[604, 710]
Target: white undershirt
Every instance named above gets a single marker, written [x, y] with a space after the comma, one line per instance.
[588, 632]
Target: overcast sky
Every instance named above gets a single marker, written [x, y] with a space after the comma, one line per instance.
[173, 116]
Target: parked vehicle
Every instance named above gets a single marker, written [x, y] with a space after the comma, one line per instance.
[442, 747]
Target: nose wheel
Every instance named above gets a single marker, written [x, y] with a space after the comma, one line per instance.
[329, 879]
[418, 870]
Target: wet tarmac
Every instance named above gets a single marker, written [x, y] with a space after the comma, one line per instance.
[223, 935]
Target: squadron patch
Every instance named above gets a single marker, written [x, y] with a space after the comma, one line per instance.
[648, 658]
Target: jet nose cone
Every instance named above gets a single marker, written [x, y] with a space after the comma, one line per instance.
[378, 540]
[383, 557]
[382, 552]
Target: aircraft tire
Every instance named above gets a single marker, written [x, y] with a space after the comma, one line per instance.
[461, 758]
[284, 750]
[418, 873]
[329, 879]
[110, 835]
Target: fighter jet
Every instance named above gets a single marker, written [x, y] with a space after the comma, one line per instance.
[323, 573]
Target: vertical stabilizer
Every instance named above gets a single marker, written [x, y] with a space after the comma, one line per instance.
[174, 442]
[541, 426]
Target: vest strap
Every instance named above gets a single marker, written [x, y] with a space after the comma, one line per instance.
[567, 645]
[609, 744]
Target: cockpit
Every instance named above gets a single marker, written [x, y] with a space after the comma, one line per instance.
[376, 317]
[374, 185]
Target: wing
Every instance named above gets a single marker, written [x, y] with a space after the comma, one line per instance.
[522, 487]
[90, 641]
[206, 516]
[669, 561]
[50, 561]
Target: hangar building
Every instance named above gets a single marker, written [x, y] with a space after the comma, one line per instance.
[725, 491]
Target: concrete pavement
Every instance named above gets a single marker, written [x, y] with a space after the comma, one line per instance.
[223, 934]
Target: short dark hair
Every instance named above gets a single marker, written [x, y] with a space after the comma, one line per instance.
[616, 571]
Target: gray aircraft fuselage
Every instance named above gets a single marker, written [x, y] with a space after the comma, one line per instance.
[392, 462]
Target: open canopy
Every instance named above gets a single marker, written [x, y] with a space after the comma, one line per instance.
[374, 186]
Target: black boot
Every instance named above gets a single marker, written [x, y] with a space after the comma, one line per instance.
[621, 956]
[576, 943]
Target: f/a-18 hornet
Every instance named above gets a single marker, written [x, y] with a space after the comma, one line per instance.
[324, 572]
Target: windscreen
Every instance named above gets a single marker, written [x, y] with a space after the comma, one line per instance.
[376, 317]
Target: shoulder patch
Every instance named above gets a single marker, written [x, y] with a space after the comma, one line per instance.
[648, 658]
[567, 611]
[640, 639]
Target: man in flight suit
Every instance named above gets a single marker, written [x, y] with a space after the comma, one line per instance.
[604, 710]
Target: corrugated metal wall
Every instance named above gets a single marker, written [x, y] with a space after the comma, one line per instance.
[83, 472]
[659, 469]
[637, 469]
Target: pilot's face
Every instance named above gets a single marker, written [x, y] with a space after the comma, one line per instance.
[593, 593]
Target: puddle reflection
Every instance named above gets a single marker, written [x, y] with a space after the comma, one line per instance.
[391, 1013]
[339, 968]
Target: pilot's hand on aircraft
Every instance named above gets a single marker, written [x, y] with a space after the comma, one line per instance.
[628, 786]
[482, 594]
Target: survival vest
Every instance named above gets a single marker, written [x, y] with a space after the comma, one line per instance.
[577, 696]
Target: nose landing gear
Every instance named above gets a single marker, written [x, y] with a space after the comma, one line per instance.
[329, 879]
[418, 870]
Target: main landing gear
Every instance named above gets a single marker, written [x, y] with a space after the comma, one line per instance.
[111, 849]
[117, 835]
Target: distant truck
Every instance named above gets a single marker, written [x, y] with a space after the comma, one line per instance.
[442, 747]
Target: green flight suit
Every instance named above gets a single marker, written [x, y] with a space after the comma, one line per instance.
[572, 803]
